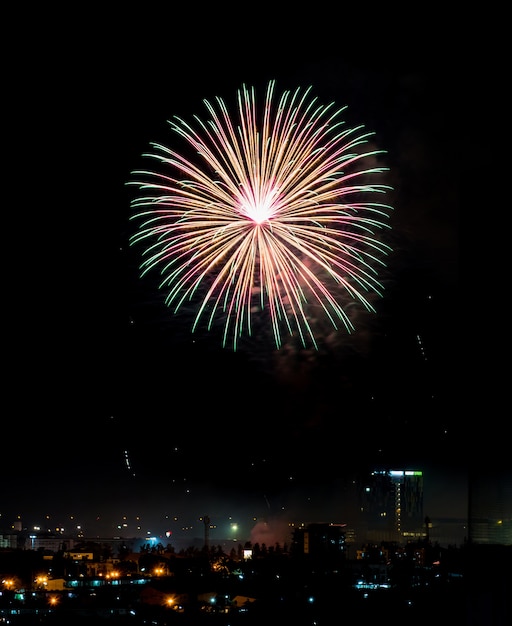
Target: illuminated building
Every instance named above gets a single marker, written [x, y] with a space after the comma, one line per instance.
[392, 506]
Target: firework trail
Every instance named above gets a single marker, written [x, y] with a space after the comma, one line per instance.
[266, 218]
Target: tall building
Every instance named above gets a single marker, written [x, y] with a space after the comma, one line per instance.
[490, 506]
[392, 506]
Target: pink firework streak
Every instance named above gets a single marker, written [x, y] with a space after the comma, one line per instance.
[269, 215]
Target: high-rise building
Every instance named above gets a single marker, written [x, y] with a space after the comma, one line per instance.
[490, 506]
[392, 505]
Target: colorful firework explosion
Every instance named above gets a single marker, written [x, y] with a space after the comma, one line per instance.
[265, 217]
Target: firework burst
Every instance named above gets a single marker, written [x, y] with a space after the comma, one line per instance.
[266, 217]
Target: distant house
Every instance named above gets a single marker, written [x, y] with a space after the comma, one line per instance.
[319, 540]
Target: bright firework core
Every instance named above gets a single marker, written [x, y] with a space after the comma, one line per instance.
[294, 171]
[259, 211]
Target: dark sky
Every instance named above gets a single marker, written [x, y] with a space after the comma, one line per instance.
[95, 363]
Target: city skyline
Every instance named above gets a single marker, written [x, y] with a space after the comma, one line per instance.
[178, 520]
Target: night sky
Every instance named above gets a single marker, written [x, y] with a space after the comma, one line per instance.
[110, 402]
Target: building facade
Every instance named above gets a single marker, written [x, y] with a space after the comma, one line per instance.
[392, 506]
